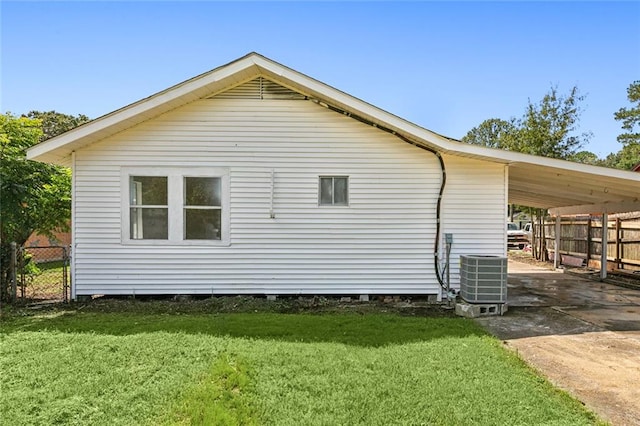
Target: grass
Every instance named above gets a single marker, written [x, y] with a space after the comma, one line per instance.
[220, 397]
[153, 367]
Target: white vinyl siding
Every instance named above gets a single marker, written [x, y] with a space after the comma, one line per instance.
[382, 243]
[474, 210]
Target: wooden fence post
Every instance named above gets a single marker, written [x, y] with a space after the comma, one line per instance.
[543, 247]
[14, 272]
[556, 250]
[618, 237]
[588, 240]
[605, 245]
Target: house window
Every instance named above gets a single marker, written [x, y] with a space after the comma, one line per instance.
[334, 191]
[202, 208]
[176, 206]
[149, 209]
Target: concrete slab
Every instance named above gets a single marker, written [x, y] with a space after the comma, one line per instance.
[535, 321]
[583, 335]
[530, 285]
[625, 318]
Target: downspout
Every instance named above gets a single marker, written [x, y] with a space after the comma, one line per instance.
[443, 182]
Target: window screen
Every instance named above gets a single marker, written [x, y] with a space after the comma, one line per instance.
[202, 208]
[334, 191]
[148, 208]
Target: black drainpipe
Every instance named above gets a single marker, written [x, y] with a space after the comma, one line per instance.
[443, 182]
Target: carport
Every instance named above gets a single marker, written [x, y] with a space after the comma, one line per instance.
[573, 189]
[584, 335]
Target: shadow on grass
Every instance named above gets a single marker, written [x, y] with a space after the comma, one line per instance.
[371, 330]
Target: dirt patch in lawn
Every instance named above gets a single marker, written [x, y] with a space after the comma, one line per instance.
[408, 306]
[526, 257]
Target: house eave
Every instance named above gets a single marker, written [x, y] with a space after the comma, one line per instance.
[533, 180]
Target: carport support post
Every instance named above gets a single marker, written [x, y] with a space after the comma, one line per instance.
[556, 248]
[605, 243]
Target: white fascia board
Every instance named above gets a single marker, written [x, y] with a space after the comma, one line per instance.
[422, 135]
[352, 104]
[100, 124]
[601, 208]
[516, 157]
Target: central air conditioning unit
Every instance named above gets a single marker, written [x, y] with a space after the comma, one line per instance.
[483, 279]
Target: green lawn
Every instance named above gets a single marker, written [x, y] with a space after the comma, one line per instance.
[126, 368]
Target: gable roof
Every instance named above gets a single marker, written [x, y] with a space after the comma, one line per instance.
[534, 181]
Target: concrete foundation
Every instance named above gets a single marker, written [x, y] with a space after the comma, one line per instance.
[434, 298]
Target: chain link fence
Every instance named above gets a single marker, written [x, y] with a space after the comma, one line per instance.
[42, 273]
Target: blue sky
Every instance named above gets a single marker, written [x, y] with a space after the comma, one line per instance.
[446, 66]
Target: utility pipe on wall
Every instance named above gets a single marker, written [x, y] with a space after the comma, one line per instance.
[443, 182]
[272, 214]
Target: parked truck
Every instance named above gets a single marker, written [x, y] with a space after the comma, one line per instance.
[516, 238]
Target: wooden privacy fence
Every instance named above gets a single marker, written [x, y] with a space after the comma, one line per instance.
[581, 239]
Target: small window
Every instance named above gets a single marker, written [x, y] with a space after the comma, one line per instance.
[334, 191]
[148, 208]
[202, 208]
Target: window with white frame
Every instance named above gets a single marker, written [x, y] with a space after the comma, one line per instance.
[149, 209]
[333, 191]
[175, 205]
[202, 208]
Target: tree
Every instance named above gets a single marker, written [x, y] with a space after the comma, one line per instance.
[624, 159]
[586, 157]
[34, 196]
[546, 128]
[55, 123]
[492, 133]
[630, 117]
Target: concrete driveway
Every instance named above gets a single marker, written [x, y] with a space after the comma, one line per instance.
[584, 336]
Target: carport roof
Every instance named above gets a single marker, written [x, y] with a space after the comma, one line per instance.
[564, 187]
